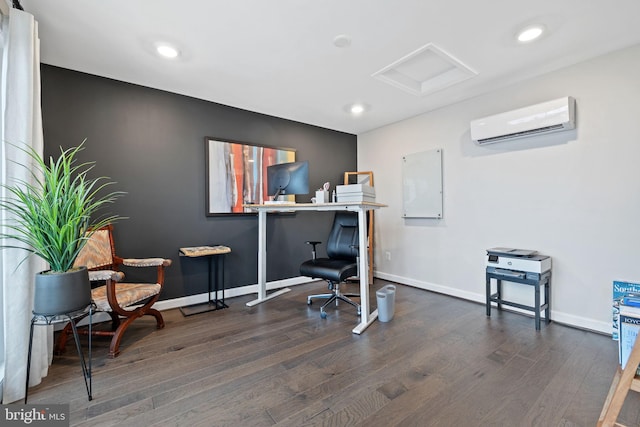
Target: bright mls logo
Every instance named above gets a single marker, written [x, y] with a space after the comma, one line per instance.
[35, 415]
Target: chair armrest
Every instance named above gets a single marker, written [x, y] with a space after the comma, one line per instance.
[99, 275]
[313, 243]
[357, 249]
[146, 262]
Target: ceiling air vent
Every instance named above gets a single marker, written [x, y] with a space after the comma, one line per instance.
[425, 70]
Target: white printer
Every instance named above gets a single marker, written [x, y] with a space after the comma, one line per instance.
[517, 260]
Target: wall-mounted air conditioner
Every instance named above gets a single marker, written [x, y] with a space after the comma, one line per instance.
[547, 117]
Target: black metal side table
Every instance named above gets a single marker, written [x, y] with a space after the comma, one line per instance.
[215, 285]
[43, 320]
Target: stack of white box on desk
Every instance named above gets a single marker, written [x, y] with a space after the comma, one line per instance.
[355, 193]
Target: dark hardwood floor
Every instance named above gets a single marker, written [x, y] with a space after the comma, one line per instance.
[439, 362]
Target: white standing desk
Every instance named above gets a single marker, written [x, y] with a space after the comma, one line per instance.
[366, 317]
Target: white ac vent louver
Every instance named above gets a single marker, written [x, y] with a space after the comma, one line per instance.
[546, 117]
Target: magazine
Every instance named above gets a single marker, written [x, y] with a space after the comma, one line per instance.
[620, 289]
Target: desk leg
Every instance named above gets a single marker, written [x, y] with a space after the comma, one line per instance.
[262, 255]
[262, 264]
[366, 318]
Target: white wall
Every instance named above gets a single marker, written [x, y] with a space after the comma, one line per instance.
[572, 195]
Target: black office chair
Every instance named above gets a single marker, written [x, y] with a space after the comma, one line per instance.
[342, 261]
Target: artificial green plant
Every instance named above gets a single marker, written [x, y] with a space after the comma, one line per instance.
[54, 216]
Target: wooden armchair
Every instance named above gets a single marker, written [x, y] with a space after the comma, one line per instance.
[125, 302]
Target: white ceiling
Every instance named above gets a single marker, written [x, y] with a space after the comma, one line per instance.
[278, 57]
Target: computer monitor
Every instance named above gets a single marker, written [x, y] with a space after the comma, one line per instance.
[288, 178]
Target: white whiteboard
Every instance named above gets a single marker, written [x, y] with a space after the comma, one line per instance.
[422, 184]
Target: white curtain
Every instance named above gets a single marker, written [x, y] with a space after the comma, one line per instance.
[20, 124]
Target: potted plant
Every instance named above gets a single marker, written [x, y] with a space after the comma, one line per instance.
[53, 218]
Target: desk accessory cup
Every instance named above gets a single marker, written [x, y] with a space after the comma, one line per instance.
[322, 196]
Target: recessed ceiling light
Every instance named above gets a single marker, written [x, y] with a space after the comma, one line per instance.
[167, 51]
[357, 108]
[530, 33]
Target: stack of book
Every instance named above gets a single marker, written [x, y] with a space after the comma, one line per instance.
[629, 326]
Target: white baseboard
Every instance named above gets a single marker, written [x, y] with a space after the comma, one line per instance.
[229, 293]
[428, 286]
[201, 298]
[556, 316]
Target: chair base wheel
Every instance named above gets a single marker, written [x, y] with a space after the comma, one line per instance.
[323, 314]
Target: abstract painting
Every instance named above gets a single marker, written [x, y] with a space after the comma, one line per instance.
[237, 174]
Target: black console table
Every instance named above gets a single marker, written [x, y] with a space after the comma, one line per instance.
[215, 284]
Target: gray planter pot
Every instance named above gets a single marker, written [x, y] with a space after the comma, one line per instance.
[59, 293]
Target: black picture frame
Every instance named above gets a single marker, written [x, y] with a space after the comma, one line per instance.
[236, 174]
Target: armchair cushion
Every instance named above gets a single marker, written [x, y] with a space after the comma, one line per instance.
[100, 275]
[146, 262]
[128, 294]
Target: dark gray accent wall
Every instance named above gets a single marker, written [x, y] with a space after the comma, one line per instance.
[151, 143]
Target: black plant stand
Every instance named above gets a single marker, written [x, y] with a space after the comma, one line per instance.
[43, 320]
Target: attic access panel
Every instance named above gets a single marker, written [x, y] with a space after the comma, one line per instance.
[425, 70]
[422, 185]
